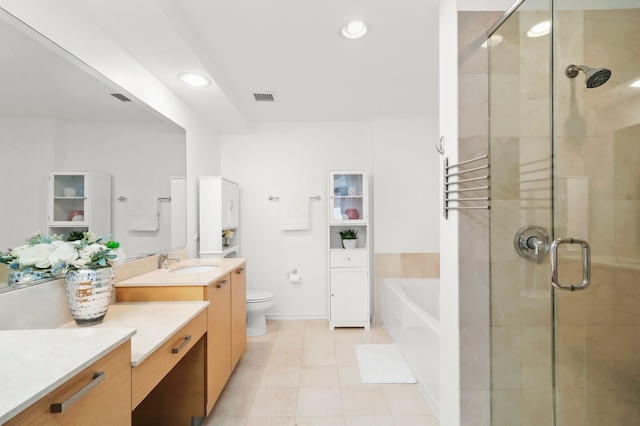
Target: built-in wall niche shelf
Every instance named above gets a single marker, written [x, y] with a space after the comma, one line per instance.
[79, 200]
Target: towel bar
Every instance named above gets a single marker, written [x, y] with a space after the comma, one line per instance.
[272, 198]
[123, 199]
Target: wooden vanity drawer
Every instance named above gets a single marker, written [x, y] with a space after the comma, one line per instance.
[101, 392]
[146, 375]
[349, 258]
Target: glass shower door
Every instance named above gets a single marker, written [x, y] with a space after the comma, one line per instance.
[596, 194]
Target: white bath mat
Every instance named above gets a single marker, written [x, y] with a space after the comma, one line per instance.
[383, 364]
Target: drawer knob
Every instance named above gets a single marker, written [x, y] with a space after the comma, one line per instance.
[59, 407]
[222, 284]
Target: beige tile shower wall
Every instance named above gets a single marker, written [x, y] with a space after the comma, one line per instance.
[402, 265]
[473, 86]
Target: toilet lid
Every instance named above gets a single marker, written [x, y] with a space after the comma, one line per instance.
[258, 296]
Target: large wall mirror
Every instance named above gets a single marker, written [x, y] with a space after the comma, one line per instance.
[58, 114]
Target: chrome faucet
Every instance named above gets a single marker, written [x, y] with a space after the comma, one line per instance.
[164, 260]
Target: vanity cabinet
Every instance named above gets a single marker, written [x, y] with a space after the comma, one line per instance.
[349, 267]
[98, 395]
[79, 200]
[218, 211]
[226, 321]
[238, 315]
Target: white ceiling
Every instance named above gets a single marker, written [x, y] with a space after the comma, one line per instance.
[291, 47]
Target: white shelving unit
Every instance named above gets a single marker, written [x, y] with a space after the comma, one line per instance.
[79, 200]
[349, 269]
[219, 211]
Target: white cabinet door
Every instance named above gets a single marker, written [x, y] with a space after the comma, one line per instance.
[231, 217]
[349, 296]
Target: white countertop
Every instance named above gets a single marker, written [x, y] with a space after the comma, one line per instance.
[155, 322]
[35, 362]
[168, 277]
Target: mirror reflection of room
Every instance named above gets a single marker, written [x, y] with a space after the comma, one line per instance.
[59, 118]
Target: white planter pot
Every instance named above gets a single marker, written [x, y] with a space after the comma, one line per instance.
[349, 244]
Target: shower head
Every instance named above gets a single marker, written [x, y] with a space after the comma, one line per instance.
[595, 76]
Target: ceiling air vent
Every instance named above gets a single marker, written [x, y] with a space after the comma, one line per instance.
[121, 97]
[264, 96]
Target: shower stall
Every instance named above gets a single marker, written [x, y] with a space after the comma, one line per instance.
[551, 91]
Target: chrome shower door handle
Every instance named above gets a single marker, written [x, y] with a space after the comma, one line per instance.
[586, 264]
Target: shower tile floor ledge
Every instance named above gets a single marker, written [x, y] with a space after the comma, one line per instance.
[303, 374]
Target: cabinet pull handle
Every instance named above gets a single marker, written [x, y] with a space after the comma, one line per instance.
[186, 341]
[59, 407]
[222, 284]
[239, 271]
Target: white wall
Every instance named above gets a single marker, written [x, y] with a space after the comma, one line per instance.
[449, 257]
[295, 158]
[406, 191]
[290, 158]
[24, 176]
[140, 157]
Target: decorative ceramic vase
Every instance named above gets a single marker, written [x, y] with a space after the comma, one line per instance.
[89, 292]
[349, 244]
[225, 242]
[70, 192]
[352, 214]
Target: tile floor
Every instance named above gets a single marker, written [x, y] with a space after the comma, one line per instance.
[303, 374]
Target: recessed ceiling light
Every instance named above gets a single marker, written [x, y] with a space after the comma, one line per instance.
[193, 79]
[635, 84]
[539, 30]
[354, 29]
[492, 41]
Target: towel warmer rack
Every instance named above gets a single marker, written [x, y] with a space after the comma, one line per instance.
[456, 176]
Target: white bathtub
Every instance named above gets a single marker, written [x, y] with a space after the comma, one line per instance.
[411, 315]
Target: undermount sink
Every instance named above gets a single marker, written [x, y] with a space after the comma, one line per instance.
[195, 269]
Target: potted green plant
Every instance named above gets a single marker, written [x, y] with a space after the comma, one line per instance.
[349, 238]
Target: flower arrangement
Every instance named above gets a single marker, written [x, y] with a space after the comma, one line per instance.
[50, 256]
[95, 252]
[227, 234]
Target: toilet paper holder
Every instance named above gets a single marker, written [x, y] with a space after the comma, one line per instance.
[293, 276]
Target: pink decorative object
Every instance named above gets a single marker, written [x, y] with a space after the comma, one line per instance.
[76, 215]
[353, 214]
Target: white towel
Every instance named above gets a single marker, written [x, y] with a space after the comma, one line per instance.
[294, 213]
[142, 213]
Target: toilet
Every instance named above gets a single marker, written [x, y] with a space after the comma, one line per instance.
[258, 303]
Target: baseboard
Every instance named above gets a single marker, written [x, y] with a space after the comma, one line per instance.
[322, 316]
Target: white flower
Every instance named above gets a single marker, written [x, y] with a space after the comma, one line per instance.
[37, 255]
[63, 252]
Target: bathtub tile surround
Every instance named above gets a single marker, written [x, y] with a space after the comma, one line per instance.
[402, 265]
[314, 391]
